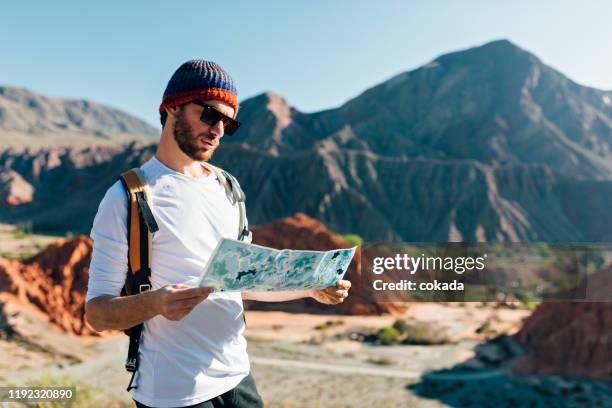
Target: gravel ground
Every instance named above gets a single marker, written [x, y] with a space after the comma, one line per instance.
[304, 373]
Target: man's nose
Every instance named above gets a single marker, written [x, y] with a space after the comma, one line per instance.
[217, 129]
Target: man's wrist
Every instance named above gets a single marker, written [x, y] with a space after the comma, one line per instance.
[152, 298]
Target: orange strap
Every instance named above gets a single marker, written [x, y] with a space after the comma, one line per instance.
[134, 185]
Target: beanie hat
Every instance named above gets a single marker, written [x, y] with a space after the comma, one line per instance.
[199, 79]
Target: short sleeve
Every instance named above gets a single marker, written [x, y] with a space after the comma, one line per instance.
[109, 261]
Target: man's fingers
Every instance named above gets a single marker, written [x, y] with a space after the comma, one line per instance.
[191, 292]
[334, 292]
[343, 284]
[184, 303]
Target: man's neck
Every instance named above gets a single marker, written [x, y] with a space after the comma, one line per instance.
[175, 159]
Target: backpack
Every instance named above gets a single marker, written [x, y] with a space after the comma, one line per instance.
[141, 227]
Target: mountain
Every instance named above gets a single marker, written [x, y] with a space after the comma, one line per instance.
[495, 104]
[484, 144]
[29, 119]
[64, 185]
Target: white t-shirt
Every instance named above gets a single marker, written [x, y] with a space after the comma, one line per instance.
[203, 355]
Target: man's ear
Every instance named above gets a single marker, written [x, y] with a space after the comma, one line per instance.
[172, 110]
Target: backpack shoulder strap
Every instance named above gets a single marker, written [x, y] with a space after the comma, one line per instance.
[139, 213]
[236, 196]
[141, 227]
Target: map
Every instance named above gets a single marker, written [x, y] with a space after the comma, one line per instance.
[241, 267]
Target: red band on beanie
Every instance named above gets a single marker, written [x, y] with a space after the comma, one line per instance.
[217, 94]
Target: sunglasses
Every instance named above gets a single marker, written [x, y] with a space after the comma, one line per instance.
[211, 117]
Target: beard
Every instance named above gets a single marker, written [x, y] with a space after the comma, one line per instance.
[188, 142]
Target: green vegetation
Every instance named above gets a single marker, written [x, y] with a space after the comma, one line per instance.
[530, 305]
[22, 230]
[388, 336]
[9, 255]
[18, 242]
[20, 234]
[401, 326]
[353, 239]
[542, 249]
[402, 332]
[18, 256]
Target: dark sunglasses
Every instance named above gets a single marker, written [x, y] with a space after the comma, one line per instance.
[211, 117]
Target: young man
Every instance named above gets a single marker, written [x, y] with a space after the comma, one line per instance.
[192, 351]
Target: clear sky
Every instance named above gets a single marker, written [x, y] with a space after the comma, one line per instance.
[316, 54]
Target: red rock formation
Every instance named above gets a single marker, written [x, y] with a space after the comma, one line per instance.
[572, 338]
[55, 281]
[302, 232]
[14, 189]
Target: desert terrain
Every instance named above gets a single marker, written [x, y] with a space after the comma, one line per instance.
[302, 360]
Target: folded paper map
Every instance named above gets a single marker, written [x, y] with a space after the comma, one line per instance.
[241, 267]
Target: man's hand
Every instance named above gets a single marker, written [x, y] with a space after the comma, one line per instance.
[176, 301]
[333, 294]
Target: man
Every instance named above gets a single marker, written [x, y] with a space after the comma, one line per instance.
[192, 351]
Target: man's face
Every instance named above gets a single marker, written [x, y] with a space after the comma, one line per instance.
[195, 138]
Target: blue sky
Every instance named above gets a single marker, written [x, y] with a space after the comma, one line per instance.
[316, 54]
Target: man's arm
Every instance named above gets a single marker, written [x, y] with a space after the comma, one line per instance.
[105, 309]
[331, 295]
[122, 312]
[110, 312]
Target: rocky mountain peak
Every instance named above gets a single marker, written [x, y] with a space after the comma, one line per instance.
[499, 51]
[31, 119]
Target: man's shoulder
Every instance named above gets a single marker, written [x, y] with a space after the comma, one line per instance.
[110, 220]
[114, 202]
[116, 194]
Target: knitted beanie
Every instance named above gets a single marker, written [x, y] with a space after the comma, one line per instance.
[199, 79]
